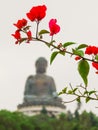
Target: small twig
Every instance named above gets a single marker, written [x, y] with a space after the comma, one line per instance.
[80, 92]
[71, 86]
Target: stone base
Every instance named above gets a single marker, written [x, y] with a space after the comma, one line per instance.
[34, 110]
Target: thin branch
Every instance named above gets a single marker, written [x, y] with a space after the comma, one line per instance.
[71, 53]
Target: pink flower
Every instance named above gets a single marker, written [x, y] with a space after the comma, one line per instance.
[54, 28]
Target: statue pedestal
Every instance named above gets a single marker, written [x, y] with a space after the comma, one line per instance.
[32, 110]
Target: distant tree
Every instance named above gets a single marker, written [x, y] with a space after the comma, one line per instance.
[7, 120]
[2, 127]
[18, 121]
[76, 113]
[88, 121]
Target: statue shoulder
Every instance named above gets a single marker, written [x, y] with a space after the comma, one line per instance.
[50, 78]
[30, 77]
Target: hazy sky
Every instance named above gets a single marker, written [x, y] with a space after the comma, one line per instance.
[78, 20]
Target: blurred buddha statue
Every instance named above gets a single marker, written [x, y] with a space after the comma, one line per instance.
[40, 87]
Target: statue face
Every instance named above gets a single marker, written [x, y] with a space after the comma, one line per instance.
[41, 68]
[41, 65]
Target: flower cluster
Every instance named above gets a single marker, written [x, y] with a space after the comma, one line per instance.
[91, 50]
[22, 27]
[37, 13]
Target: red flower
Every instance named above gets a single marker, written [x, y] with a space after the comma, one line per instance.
[77, 58]
[37, 13]
[91, 50]
[96, 72]
[54, 28]
[88, 50]
[29, 34]
[95, 50]
[17, 36]
[21, 23]
[95, 65]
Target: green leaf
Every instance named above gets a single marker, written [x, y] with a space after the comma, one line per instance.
[81, 46]
[68, 44]
[91, 92]
[62, 53]
[64, 90]
[96, 57]
[86, 92]
[43, 32]
[87, 99]
[70, 92]
[74, 90]
[78, 52]
[83, 69]
[53, 55]
[22, 40]
[60, 93]
[78, 99]
[26, 28]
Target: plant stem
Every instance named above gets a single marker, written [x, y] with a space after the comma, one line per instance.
[37, 29]
[71, 53]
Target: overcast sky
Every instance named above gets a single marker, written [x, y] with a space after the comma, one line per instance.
[78, 20]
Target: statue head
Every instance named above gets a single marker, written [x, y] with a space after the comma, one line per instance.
[41, 65]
